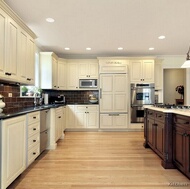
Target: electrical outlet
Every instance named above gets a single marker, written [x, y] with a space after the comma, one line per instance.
[10, 95]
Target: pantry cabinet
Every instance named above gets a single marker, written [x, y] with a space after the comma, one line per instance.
[13, 149]
[142, 71]
[48, 70]
[88, 70]
[181, 143]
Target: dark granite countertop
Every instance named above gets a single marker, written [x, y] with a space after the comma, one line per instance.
[22, 111]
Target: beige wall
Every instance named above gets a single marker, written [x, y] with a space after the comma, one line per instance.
[172, 79]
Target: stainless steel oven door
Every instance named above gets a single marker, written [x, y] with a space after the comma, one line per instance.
[137, 114]
[142, 94]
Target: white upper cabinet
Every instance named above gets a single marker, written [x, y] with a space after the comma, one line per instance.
[72, 76]
[26, 58]
[142, 71]
[48, 70]
[17, 48]
[61, 74]
[88, 70]
[158, 75]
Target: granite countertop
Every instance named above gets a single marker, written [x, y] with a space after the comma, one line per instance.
[185, 112]
[22, 111]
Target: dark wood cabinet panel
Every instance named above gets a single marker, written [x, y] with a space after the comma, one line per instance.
[158, 136]
[181, 143]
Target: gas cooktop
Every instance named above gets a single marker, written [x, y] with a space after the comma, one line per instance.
[171, 106]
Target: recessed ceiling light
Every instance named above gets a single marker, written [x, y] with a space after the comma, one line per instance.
[161, 37]
[67, 48]
[88, 48]
[120, 48]
[50, 20]
[151, 48]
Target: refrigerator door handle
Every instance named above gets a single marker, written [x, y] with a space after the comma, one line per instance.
[100, 93]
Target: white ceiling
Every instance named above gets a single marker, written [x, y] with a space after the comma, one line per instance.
[105, 25]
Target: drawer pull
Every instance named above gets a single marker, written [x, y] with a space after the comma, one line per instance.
[34, 140]
[34, 153]
[187, 122]
[160, 116]
[34, 129]
[59, 117]
[34, 117]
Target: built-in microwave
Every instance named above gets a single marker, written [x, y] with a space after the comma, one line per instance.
[88, 83]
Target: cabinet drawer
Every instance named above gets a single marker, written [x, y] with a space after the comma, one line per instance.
[160, 116]
[33, 117]
[33, 140]
[33, 129]
[33, 154]
[87, 108]
[151, 114]
[182, 120]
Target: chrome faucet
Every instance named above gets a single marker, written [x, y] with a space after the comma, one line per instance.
[35, 99]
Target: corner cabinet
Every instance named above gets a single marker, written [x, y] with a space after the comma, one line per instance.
[13, 149]
[181, 143]
[142, 71]
[48, 70]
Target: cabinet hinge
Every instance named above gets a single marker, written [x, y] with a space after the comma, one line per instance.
[165, 156]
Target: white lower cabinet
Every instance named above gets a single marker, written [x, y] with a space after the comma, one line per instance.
[33, 135]
[82, 116]
[56, 125]
[113, 121]
[13, 149]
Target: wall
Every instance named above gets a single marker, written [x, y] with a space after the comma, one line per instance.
[172, 79]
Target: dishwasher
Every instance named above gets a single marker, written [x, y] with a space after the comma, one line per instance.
[43, 130]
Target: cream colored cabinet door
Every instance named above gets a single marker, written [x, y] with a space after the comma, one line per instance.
[58, 123]
[26, 58]
[13, 149]
[113, 121]
[142, 71]
[92, 120]
[136, 71]
[70, 116]
[72, 76]
[61, 75]
[3, 33]
[54, 74]
[148, 71]
[88, 70]
[30, 65]
[80, 119]
[113, 92]
[158, 75]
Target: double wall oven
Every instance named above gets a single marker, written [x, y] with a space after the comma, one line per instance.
[141, 94]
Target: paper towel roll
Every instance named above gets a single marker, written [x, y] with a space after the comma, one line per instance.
[46, 99]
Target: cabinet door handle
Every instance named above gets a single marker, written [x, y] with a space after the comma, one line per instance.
[34, 129]
[59, 117]
[28, 79]
[187, 122]
[34, 117]
[34, 140]
[160, 116]
[34, 153]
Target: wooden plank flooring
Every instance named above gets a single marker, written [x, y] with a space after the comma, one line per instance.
[100, 160]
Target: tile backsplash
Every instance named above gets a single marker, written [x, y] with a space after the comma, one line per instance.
[16, 102]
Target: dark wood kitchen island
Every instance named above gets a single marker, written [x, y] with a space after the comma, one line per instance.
[167, 133]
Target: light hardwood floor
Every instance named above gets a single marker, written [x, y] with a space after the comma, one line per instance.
[105, 160]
